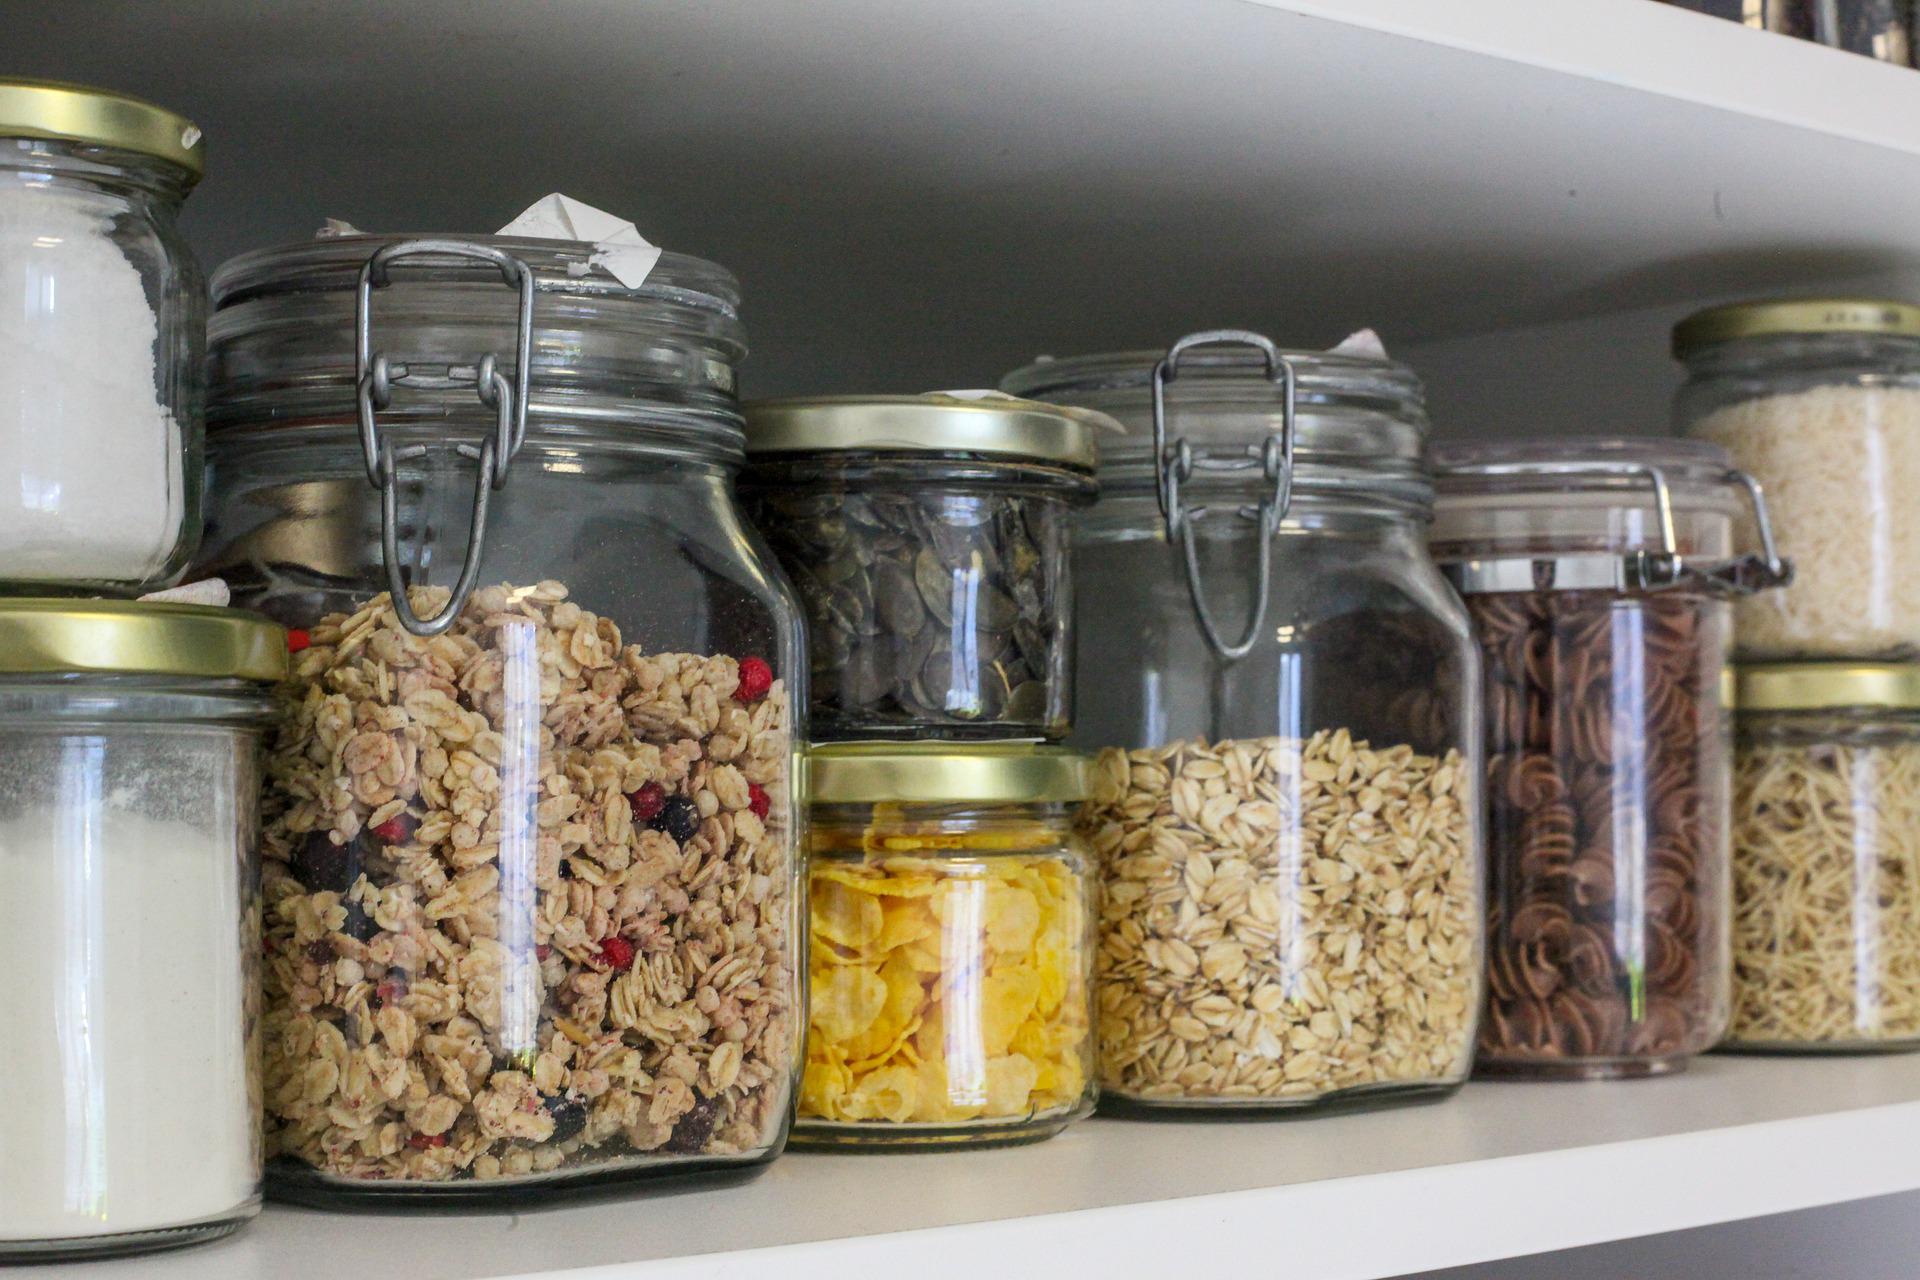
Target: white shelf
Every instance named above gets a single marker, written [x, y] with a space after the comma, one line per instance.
[1503, 1170]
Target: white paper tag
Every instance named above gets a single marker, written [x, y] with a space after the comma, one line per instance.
[1364, 343]
[212, 591]
[618, 244]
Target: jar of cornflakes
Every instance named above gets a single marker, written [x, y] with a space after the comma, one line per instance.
[950, 947]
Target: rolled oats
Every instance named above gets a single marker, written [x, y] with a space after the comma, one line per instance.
[481, 962]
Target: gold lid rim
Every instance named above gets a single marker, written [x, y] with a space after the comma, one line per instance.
[63, 112]
[945, 773]
[1827, 686]
[1003, 426]
[119, 637]
[1772, 316]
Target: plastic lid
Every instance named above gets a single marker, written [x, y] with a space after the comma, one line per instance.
[101, 117]
[945, 773]
[118, 637]
[937, 422]
[1794, 315]
[1815, 686]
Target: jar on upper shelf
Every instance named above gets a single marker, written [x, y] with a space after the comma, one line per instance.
[1285, 697]
[531, 837]
[102, 336]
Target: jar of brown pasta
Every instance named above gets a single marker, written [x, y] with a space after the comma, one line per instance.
[1598, 574]
[1826, 858]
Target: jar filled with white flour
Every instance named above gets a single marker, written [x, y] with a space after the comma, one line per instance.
[129, 922]
[102, 335]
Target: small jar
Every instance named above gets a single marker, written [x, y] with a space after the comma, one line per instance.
[1285, 696]
[130, 923]
[1826, 858]
[530, 841]
[101, 348]
[1597, 574]
[951, 951]
[1819, 401]
[928, 538]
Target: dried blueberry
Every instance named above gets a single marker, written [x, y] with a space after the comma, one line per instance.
[323, 866]
[679, 818]
[359, 925]
[569, 1115]
[695, 1128]
[320, 951]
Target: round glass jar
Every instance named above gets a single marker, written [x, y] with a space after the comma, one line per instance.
[1285, 696]
[1826, 858]
[532, 852]
[102, 336]
[1597, 574]
[951, 947]
[130, 924]
[927, 536]
[1819, 401]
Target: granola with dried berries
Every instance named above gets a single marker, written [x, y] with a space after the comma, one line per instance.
[529, 897]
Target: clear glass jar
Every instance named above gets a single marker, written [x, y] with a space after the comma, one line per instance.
[951, 948]
[1826, 858]
[1286, 805]
[928, 538]
[130, 924]
[102, 334]
[1819, 400]
[531, 854]
[1597, 574]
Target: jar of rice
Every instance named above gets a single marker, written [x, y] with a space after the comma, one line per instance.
[1819, 400]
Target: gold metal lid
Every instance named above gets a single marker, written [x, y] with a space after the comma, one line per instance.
[76, 113]
[945, 773]
[121, 637]
[1794, 315]
[1816, 686]
[937, 422]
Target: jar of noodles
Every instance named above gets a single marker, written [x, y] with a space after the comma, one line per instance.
[950, 951]
[1818, 399]
[1826, 858]
[1597, 574]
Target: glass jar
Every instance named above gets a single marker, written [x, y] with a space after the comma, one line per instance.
[101, 339]
[1826, 858]
[928, 538]
[130, 923]
[1285, 809]
[530, 831]
[1597, 574]
[951, 952]
[1788, 17]
[1819, 400]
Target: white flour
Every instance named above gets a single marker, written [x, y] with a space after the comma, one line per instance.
[121, 1026]
[90, 466]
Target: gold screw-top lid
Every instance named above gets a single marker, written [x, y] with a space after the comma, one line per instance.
[945, 773]
[1817, 686]
[1794, 315]
[122, 637]
[938, 422]
[77, 113]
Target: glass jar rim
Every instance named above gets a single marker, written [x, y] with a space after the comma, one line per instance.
[1579, 464]
[1227, 376]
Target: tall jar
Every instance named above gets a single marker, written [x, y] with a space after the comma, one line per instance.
[1597, 574]
[531, 832]
[1285, 698]
[1819, 400]
[102, 336]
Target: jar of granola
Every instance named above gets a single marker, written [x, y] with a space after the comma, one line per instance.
[951, 946]
[530, 833]
[1286, 695]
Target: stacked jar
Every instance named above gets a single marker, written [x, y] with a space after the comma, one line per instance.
[1819, 399]
[949, 952]
[1285, 811]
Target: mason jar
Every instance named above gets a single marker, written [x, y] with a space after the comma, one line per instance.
[1818, 399]
[101, 342]
[951, 953]
[1826, 858]
[130, 922]
[531, 836]
[1285, 698]
[1598, 575]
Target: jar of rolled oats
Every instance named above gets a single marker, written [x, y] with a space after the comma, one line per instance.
[1285, 695]
[530, 836]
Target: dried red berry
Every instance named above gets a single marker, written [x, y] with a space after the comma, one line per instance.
[616, 954]
[756, 677]
[422, 1141]
[647, 802]
[758, 800]
[390, 990]
[297, 640]
[397, 830]
[542, 951]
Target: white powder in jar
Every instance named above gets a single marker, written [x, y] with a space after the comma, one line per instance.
[123, 1017]
[1841, 467]
[91, 481]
